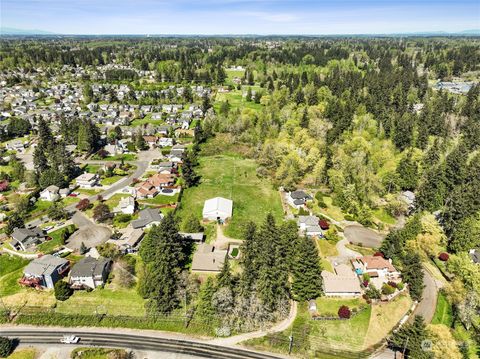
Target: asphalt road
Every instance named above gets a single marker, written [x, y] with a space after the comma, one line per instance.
[358, 234]
[42, 336]
[426, 307]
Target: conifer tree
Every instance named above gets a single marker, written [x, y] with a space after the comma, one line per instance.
[307, 272]
[409, 338]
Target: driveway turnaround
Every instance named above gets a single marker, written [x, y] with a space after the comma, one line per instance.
[357, 234]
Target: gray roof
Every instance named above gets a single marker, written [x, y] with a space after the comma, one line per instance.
[28, 236]
[44, 265]
[147, 216]
[198, 237]
[300, 195]
[207, 259]
[308, 220]
[89, 267]
[475, 255]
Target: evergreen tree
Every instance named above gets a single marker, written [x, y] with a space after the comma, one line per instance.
[409, 338]
[224, 278]
[412, 274]
[15, 220]
[249, 258]
[189, 175]
[407, 171]
[205, 309]
[140, 142]
[307, 272]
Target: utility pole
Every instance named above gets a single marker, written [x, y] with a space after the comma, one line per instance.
[290, 345]
[405, 347]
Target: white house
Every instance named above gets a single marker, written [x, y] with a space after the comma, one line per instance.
[309, 225]
[51, 193]
[87, 180]
[217, 208]
[126, 205]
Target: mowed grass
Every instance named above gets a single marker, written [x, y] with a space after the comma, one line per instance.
[233, 178]
[443, 311]
[327, 248]
[28, 353]
[236, 100]
[11, 270]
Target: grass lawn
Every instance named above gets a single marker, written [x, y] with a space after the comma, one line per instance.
[107, 181]
[331, 210]
[39, 208]
[70, 200]
[56, 241]
[113, 201]
[28, 353]
[327, 248]
[384, 317]
[125, 157]
[234, 178]
[383, 216]
[362, 250]
[114, 302]
[236, 100]
[88, 191]
[9, 282]
[92, 168]
[97, 353]
[326, 265]
[161, 199]
[443, 311]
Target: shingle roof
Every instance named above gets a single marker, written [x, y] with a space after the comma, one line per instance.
[44, 265]
[89, 267]
[147, 216]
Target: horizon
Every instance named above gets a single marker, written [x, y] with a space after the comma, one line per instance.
[240, 17]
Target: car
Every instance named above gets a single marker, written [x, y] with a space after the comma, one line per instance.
[73, 194]
[48, 228]
[69, 339]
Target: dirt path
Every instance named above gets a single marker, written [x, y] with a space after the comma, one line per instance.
[279, 327]
[222, 241]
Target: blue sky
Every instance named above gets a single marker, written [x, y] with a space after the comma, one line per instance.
[240, 16]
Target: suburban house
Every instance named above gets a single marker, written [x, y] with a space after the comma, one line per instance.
[217, 208]
[379, 269]
[155, 183]
[196, 237]
[87, 180]
[90, 273]
[207, 259]
[26, 238]
[126, 205]
[298, 199]
[44, 272]
[146, 190]
[51, 193]
[475, 255]
[408, 197]
[147, 218]
[165, 142]
[151, 140]
[129, 240]
[342, 283]
[309, 225]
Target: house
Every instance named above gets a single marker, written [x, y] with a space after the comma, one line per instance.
[147, 218]
[475, 255]
[90, 272]
[87, 180]
[129, 240]
[196, 237]
[155, 183]
[151, 140]
[146, 190]
[217, 208]
[26, 238]
[379, 269]
[342, 283]
[165, 142]
[15, 145]
[45, 271]
[298, 199]
[309, 225]
[51, 193]
[207, 259]
[126, 205]
[409, 198]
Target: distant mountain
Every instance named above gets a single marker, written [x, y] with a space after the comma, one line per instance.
[470, 32]
[14, 31]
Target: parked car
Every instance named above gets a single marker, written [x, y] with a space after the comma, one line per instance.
[69, 339]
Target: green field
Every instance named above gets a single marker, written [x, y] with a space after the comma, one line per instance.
[146, 120]
[160, 199]
[234, 178]
[236, 100]
[56, 241]
[107, 181]
[11, 270]
[443, 311]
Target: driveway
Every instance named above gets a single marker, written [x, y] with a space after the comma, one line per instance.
[358, 234]
[426, 307]
[89, 233]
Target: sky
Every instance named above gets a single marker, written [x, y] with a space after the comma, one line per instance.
[240, 16]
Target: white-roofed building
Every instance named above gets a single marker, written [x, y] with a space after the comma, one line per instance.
[217, 208]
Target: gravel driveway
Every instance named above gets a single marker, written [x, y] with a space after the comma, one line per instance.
[357, 234]
[88, 232]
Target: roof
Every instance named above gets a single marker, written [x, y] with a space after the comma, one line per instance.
[86, 177]
[23, 234]
[126, 202]
[207, 259]
[475, 255]
[300, 195]
[218, 204]
[159, 179]
[89, 267]
[52, 188]
[333, 283]
[44, 265]
[377, 262]
[195, 236]
[147, 216]
[309, 220]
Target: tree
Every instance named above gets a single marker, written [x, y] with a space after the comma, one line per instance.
[190, 177]
[205, 309]
[407, 171]
[307, 278]
[466, 234]
[6, 347]
[344, 312]
[83, 204]
[15, 220]
[191, 224]
[413, 275]
[57, 212]
[83, 248]
[224, 278]
[140, 142]
[101, 212]
[51, 177]
[410, 338]
[62, 290]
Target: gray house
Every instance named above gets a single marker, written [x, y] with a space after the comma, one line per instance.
[90, 272]
[147, 218]
[25, 238]
[44, 271]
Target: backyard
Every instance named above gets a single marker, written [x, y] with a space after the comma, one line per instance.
[235, 178]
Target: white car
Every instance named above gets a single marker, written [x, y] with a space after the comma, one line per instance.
[69, 339]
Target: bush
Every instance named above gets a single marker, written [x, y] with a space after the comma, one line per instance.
[400, 286]
[344, 312]
[6, 347]
[392, 284]
[62, 290]
[443, 257]
[372, 292]
[83, 204]
[387, 289]
[319, 196]
[379, 254]
[349, 217]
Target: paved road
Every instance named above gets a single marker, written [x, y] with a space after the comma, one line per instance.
[105, 338]
[426, 307]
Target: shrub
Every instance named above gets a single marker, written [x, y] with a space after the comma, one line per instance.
[379, 254]
[83, 204]
[392, 284]
[400, 286]
[443, 256]
[372, 292]
[6, 347]
[349, 217]
[387, 289]
[344, 312]
[366, 277]
[319, 196]
[62, 290]
[365, 283]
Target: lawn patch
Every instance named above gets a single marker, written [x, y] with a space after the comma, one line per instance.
[443, 311]
[327, 249]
